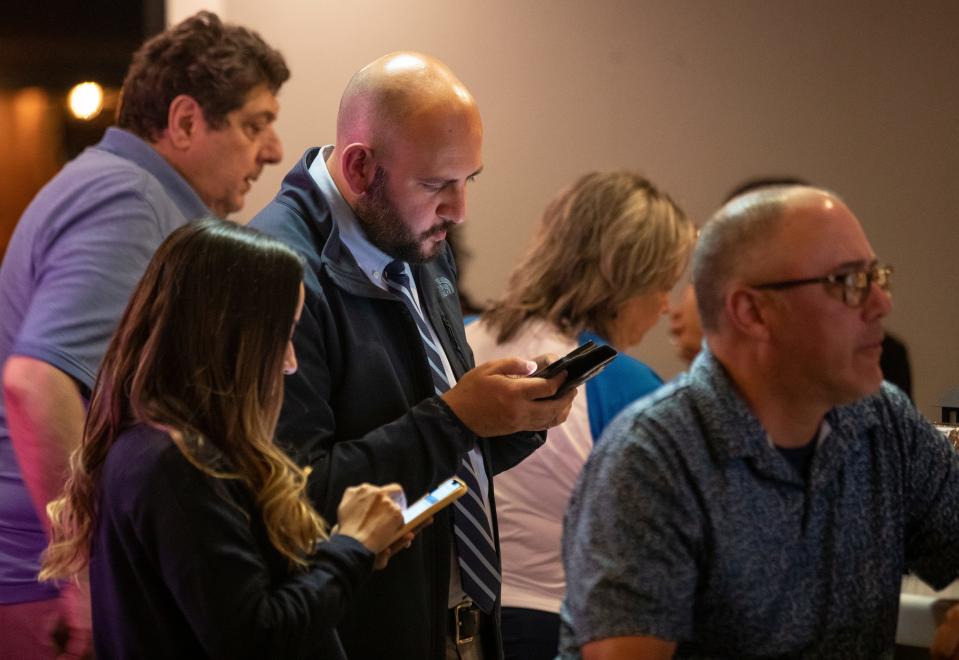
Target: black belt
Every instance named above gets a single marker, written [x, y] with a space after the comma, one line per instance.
[464, 622]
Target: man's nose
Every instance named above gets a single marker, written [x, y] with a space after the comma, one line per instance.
[271, 151]
[453, 206]
[879, 302]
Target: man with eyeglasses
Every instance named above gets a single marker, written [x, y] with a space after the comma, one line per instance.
[767, 503]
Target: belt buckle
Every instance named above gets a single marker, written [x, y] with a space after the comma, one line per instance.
[465, 609]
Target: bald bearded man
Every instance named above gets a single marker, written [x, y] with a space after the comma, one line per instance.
[386, 388]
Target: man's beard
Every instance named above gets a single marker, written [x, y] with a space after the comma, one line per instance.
[386, 229]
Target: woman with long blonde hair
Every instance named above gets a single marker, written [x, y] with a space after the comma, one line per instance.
[196, 529]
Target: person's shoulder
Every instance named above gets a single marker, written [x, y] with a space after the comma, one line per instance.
[646, 446]
[296, 230]
[89, 181]
[654, 416]
[674, 397]
[888, 414]
[629, 364]
[893, 396]
[133, 461]
[298, 209]
[143, 463]
[629, 373]
[887, 400]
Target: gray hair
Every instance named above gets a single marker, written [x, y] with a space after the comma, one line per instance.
[731, 236]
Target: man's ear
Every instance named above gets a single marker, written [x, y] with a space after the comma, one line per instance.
[358, 167]
[745, 311]
[184, 119]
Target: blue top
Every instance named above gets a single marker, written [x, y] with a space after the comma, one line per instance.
[74, 258]
[624, 380]
[688, 525]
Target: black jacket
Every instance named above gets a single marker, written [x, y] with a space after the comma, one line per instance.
[182, 566]
[361, 407]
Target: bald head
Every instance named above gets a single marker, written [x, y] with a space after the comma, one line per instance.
[409, 140]
[740, 238]
[397, 93]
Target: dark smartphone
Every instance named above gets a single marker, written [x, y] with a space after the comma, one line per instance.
[580, 364]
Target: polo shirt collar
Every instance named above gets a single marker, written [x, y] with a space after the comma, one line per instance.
[126, 145]
[731, 427]
[735, 431]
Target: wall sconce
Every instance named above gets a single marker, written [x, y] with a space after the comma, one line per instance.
[85, 100]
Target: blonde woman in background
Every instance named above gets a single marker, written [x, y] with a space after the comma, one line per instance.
[685, 329]
[600, 267]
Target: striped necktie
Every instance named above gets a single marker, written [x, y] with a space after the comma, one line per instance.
[476, 553]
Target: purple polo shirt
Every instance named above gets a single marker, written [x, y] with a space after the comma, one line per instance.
[77, 253]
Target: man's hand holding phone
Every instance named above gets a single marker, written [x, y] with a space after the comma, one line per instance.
[497, 398]
[579, 365]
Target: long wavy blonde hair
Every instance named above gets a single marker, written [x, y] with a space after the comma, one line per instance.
[606, 238]
[198, 353]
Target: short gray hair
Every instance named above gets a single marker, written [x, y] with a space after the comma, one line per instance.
[731, 236]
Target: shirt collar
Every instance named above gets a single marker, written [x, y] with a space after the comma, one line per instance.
[736, 431]
[369, 258]
[730, 425]
[821, 434]
[131, 147]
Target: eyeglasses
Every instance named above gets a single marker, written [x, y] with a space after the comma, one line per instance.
[852, 287]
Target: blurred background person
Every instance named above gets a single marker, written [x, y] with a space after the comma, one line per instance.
[685, 330]
[894, 363]
[605, 255]
[196, 528]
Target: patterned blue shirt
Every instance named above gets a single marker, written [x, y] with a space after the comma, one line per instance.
[688, 526]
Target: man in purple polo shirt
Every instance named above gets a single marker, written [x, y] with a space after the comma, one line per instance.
[194, 130]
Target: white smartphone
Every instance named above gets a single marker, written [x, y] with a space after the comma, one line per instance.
[439, 498]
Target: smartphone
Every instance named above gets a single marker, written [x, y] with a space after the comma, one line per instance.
[437, 499]
[580, 364]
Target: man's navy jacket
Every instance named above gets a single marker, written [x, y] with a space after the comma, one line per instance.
[361, 408]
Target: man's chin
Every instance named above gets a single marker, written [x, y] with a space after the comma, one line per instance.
[867, 386]
[228, 207]
[430, 249]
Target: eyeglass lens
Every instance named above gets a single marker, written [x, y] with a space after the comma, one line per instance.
[856, 285]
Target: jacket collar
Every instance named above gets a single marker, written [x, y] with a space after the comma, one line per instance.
[300, 192]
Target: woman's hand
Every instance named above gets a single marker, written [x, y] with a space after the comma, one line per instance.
[401, 544]
[383, 558]
[371, 515]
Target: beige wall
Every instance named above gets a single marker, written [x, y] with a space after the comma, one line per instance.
[859, 96]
